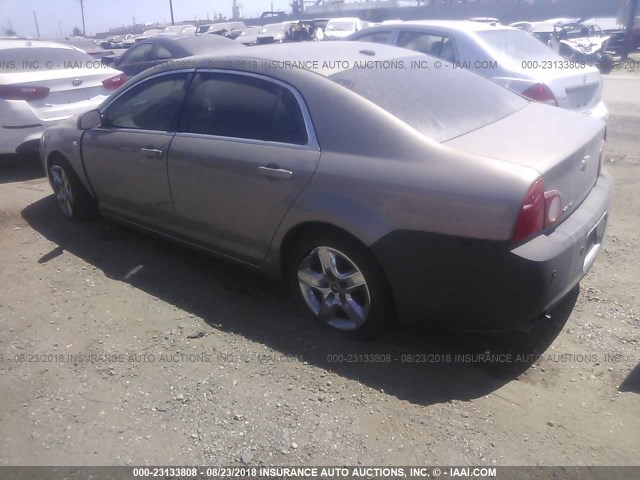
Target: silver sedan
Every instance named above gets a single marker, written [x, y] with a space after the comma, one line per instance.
[378, 189]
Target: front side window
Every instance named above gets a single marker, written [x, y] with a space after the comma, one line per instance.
[152, 105]
[246, 107]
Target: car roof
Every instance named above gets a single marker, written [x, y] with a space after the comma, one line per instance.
[27, 43]
[463, 25]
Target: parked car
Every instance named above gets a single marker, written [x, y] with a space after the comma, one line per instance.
[273, 33]
[377, 194]
[147, 34]
[582, 43]
[160, 49]
[506, 55]
[43, 83]
[340, 28]
[177, 31]
[222, 28]
[123, 41]
[249, 36]
[87, 46]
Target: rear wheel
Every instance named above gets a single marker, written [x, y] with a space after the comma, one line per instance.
[606, 63]
[339, 283]
[73, 198]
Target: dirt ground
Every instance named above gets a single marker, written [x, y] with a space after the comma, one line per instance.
[196, 361]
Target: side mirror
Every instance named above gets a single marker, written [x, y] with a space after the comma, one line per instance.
[91, 119]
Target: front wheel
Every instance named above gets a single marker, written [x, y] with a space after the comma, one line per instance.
[74, 200]
[339, 283]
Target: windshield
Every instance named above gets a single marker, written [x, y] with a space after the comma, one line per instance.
[516, 45]
[345, 26]
[272, 28]
[439, 103]
[173, 29]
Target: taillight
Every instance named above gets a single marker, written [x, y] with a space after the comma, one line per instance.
[540, 210]
[115, 82]
[541, 93]
[23, 92]
[603, 146]
[531, 219]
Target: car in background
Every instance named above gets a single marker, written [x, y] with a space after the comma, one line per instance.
[123, 41]
[226, 29]
[43, 83]
[506, 55]
[87, 46]
[446, 186]
[249, 36]
[161, 49]
[147, 34]
[273, 33]
[341, 28]
[177, 31]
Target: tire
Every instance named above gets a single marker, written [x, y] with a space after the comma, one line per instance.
[73, 198]
[338, 282]
[606, 64]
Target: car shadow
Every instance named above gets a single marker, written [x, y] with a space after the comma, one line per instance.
[632, 382]
[411, 363]
[20, 168]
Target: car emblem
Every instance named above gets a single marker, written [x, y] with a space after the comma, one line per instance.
[584, 80]
[77, 82]
[584, 161]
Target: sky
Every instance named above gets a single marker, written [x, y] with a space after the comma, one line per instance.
[100, 15]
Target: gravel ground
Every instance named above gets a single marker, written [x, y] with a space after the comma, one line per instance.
[196, 361]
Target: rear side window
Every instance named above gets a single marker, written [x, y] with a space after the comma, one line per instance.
[137, 54]
[152, 105]
[246, 107]
[441, 103]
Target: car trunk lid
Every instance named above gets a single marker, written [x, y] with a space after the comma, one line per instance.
[563, 147]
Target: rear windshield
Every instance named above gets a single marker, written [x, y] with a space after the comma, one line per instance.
[516, 46]
[29, 59]
[441, 103]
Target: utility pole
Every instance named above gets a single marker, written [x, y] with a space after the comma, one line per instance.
[171, 7]
[84, 33]
[36, 19]
[628, 37]
[60, 30]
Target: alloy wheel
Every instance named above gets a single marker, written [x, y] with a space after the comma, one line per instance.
[62, 189]
[334, 288]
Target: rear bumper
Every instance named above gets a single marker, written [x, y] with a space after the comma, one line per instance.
[457, 283]
[21, 126]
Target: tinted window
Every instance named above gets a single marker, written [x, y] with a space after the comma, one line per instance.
[137, 54]
[244, 107]
[376, 37]
[440, 103]
[152, 105]
[162, 53]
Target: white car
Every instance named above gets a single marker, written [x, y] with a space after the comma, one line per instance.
[177, 31]
[43, 83]
[341, 28]
[506, 55]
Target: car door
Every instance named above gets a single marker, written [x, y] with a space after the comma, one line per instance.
[244, 152]
[126, 157]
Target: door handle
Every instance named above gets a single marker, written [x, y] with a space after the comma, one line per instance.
[275, 172]
[151, 152]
